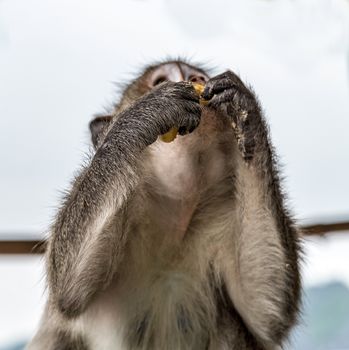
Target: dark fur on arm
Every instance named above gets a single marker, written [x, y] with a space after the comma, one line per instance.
[88, 236]
[263, 276]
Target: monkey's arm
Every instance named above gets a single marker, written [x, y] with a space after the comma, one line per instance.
[88, 236]
[261, 276]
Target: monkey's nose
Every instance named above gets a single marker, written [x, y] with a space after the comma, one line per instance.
[175, 72]
[198, 79]
[166, 72]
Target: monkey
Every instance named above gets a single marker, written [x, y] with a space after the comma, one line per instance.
[180, 245]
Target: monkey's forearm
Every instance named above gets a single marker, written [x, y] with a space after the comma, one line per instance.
[263, 276]
[88, 237]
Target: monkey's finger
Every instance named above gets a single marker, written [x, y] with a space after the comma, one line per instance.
[183, 130]
[194, 123]
[191, 129]
[185, 91]
[214, 87]
[226, 96]
[189, 123]
[176, 91]
[192, 108]
[221, 82]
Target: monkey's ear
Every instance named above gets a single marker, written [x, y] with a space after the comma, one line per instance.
[97, 127]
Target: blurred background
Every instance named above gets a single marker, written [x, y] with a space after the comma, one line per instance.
[58, 64]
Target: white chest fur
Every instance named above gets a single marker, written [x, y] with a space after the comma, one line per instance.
[165, 298]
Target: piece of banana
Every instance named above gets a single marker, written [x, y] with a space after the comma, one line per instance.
[172, 134]
[199, 88]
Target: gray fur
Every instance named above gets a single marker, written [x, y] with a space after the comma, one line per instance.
[185, 245]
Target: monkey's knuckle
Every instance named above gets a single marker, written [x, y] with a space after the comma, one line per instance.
[229, 73]
[215, 102]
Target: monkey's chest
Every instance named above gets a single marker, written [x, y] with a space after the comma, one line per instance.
[164, 310]
[180, 175]
[155, 307]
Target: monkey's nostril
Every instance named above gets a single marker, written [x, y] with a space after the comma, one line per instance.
[197, 79]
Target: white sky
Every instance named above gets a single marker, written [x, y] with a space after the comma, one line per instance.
[58, 60]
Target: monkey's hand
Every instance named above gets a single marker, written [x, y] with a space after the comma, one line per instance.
[166, 106]
[230, 96]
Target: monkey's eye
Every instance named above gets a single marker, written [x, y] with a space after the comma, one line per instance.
[159, 80]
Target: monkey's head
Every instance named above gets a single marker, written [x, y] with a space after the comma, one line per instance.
[172, 70]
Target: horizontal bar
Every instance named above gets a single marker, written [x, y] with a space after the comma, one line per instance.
[22, 247]
[38, 247]
[322, 229]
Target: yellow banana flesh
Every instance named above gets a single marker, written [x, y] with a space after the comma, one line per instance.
[199, 88]
[172, 133]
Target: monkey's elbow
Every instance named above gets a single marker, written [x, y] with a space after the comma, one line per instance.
[68, 308]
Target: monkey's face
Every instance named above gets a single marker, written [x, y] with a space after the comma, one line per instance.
[152, 76]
